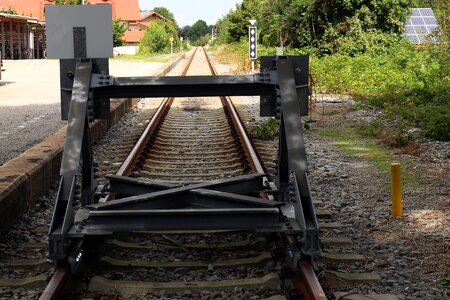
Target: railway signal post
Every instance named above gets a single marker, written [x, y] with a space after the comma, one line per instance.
[252, 43]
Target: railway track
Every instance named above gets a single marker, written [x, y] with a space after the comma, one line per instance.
[186, 141]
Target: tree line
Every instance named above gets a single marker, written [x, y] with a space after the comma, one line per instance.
[326, 26]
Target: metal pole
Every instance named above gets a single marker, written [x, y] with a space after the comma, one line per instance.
[11, 40]
[19, 45]
[31, 43]
[253, 66]
[38, 54]
[3, 39]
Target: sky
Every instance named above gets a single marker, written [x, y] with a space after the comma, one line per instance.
[187, 12]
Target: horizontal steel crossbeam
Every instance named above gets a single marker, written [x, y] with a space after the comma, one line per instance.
[108, 222]
[175, 86]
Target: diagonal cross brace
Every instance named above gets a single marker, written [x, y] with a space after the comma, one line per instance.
[213, 205]
[250, 183]
[76, 148]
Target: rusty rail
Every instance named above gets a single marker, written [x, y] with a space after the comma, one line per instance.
[305, 279]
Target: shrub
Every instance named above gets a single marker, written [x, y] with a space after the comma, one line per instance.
[157, 38]
[266, 130]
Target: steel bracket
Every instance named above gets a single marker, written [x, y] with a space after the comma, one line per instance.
[100, 80]
[268, 103]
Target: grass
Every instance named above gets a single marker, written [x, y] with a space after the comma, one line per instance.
[410, 85]
[350, 141]
[145, 58]
[265, 130]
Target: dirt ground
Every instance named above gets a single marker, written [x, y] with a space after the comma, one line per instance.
[352, 175]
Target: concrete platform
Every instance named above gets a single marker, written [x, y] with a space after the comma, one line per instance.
[30, 103]
[27, 176]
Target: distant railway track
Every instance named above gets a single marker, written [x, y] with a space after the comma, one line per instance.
[189, 141]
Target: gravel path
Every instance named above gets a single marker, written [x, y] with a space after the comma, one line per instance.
[410, 253]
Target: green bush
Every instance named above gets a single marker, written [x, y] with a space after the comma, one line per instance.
[371, 129]
[157, 38]
[202, 41]
[407, 83]
[266, 130]
[410, 84]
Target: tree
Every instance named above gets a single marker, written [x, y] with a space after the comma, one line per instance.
[185, 30]
[118, 29]
[10, 11]
[199, 29]
[166, 14]
[325, 25]
[157, 36]
[238, 20]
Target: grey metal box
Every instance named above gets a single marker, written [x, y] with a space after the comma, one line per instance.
[61, 21]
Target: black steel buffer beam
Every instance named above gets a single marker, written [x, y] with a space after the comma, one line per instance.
[140, 204]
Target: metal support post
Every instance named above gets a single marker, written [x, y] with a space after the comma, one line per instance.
[76, 139]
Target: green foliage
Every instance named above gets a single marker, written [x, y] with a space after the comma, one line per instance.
[411, 84]
[202, 41]
[266, 130]
[371, 129]
[157, 38]
[356, 47]
[197, 31]
[118, 29]
[166, 14]
[443, 281]
[325, 25]
[238, 20]
[10, 11]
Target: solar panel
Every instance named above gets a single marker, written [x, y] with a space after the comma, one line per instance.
[421, 23]
[426, 12]
[410, 30]
[421, 30]
[417, 21]
[430, 21]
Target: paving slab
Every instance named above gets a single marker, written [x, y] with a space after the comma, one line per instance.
[30, 102]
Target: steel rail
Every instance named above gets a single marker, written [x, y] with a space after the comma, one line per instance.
[126, 167]
[305, 279]
[57, 283]
[250, 153]
[129, 163]
[255, 164]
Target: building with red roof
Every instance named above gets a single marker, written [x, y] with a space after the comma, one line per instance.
[126, 11]
[29, 8]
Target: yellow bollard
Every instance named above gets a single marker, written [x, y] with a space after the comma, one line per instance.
[396, 190]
